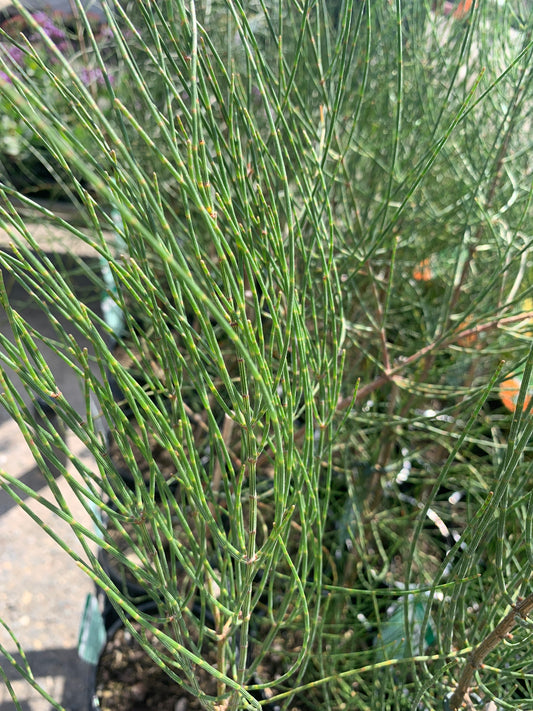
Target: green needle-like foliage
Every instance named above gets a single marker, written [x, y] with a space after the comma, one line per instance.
[315, 222]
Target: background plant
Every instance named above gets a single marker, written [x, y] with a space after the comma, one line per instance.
[28, 45]
[323, 218]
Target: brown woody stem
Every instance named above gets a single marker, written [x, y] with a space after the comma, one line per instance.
[391, 374]
[521, 609]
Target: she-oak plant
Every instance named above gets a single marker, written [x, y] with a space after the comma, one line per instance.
[324, 220]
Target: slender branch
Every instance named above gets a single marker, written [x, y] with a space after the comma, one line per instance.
[389, 375]
[521, 610]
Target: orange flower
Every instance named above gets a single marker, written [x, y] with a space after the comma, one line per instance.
[462, 9]
[423, 271]
[509, 390]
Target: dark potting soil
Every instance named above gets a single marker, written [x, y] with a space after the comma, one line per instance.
[128, 680]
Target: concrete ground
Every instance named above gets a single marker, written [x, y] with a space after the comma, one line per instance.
[42, 591]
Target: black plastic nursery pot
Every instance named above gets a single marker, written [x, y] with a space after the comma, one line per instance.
[129, 577]
[108, 677]
[126, 583]
[126, 679]
[159, 454]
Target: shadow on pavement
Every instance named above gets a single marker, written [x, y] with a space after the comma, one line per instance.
[32, 478]
[58, 668]
[55, 663]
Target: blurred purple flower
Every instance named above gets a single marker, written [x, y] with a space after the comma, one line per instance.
[15, 54]
[106, 32]
[52, 30]
[90, 76]
[10, 56]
